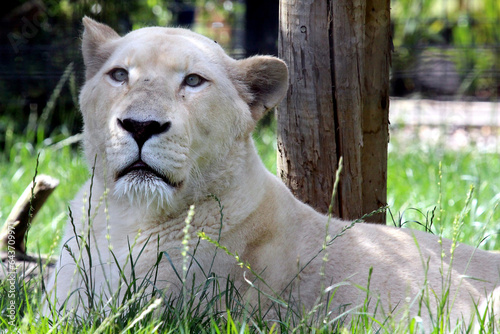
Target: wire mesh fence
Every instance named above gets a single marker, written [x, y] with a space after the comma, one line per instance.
[444, 50]
[445, 78]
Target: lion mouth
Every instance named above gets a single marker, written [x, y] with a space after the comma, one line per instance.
[143, 170]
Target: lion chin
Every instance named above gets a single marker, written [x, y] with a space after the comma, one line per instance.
[144, 189]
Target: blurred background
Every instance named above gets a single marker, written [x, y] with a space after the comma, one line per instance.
[444, 113]
[444, 50]
[41, 65]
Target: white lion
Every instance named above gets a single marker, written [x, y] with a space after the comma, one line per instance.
[168, 119]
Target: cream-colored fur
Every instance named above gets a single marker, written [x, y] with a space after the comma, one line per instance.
[207, 149]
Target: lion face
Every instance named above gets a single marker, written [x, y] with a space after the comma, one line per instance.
[163, 108]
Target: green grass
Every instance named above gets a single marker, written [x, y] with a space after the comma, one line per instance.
[18, 169]
[414, 188]
[420, 191]
[427, 181]
[214, 306]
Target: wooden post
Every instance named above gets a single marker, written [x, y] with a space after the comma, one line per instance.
[377, 53]
[307, 139]
[328, 111]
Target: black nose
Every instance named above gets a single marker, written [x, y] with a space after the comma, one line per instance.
[142, 131]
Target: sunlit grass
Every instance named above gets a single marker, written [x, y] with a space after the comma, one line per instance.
[417, 189]
[213, 306]
[415, 192]
[17, 169]
[425, 185]
[414, 189]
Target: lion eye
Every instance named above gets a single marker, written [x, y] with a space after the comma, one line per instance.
[119, 74]
[193, 80]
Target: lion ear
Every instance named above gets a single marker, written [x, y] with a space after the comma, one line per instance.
[266, 78]
[95, 47]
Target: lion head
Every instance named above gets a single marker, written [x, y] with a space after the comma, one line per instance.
[166, 111]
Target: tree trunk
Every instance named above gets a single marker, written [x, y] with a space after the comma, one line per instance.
[307, 140]
[337, 104]
[377, 53]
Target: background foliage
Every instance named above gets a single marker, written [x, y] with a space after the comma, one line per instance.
[446, 49]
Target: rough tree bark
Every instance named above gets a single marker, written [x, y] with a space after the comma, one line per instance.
[377, 53]
[337, 104]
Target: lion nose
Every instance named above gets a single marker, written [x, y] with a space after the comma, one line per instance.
[142, 131]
